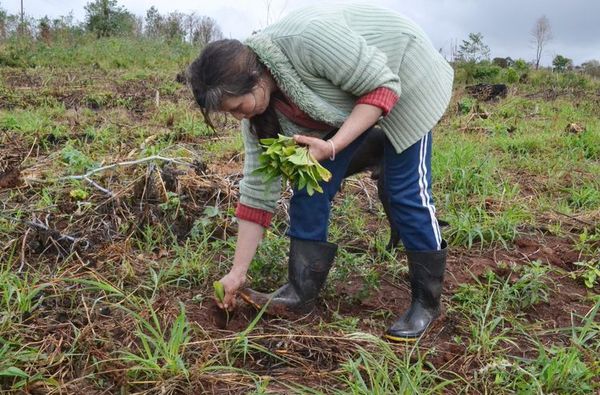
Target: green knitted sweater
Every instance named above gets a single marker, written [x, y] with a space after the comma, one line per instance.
[324, 57]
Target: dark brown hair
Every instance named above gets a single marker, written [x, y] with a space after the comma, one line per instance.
[228, 68]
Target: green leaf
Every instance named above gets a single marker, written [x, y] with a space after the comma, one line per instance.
[78, 194]
[219, 291]
[302, 182]
[323, 173]
[268, 141]
[13, 371]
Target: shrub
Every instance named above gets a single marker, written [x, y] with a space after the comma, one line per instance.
[511, 76]
[486, 72]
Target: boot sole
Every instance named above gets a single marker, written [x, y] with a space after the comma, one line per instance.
[401, 339]
[248, 300]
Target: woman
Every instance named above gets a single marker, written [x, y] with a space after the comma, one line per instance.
[326, 75]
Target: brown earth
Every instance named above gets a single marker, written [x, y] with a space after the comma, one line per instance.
[55, 322]
[96, 245]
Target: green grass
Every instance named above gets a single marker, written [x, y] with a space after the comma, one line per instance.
[104, 54]
[160, 352]
[132, 312]
[555, 369]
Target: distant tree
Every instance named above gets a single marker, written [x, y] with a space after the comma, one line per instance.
[138, 26]
[181, 27]
[45, 30]
[541, 33]
[64, 28]
[153, 23]
[206, 31]
[473, 49]
[561, 63]
[170, 27]
[173, 27]
[106, 18]
[3, 17]
[591, 67]
[191, 22]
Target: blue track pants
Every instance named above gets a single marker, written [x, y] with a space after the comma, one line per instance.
[407, 180]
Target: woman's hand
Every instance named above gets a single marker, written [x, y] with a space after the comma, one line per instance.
[232, 282]
[319, 149]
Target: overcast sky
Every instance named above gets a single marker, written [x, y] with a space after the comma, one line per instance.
[505, 24]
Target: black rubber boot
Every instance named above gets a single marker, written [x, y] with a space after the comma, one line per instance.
[308, 267]
[426, 273]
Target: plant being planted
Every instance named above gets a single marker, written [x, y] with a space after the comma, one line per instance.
[220, 296]
[283, 157]
[219, 291]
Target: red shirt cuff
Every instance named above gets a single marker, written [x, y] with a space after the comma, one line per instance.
[256, 215]
[381, 97]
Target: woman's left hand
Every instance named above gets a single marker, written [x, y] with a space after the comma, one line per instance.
[319, 149]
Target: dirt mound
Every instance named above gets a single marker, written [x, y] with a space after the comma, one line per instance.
[10, 178]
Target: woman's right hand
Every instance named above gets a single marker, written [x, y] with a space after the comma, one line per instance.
[249, 236]
[232, 282]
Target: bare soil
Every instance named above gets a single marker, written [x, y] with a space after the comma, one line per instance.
[96, 242]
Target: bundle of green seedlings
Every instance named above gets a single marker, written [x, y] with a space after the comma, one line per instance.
[283, 157]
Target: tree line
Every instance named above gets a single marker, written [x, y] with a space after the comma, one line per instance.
[106, 18]
[473, 50]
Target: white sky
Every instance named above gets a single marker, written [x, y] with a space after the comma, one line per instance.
[505, 24]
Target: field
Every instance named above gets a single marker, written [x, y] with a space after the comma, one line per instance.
[117, 216]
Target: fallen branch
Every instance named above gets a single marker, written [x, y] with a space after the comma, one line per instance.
[86, 177]
[97, 186]
[591, 225]
[20, 269]
[126, 163]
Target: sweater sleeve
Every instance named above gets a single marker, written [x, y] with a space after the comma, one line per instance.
[335, 52]
[383, 98]
[258, 216]
[254, 191]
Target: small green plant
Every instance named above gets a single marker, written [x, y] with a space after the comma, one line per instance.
[558, 370]
[172, 206]
[586, 335]
[220, 296]
[78, 194]
[14, 358]
[78, 161]
[20, 295]
[590, 273]
[584, 197]
[206, 224]
[488, 330]
[150, 238]
[379, 369]
[466, 104]
[97, 100]
[507, 295]
[160, 354]
[219, 291]
[588, 242]
[283, 157]
[189, 124]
